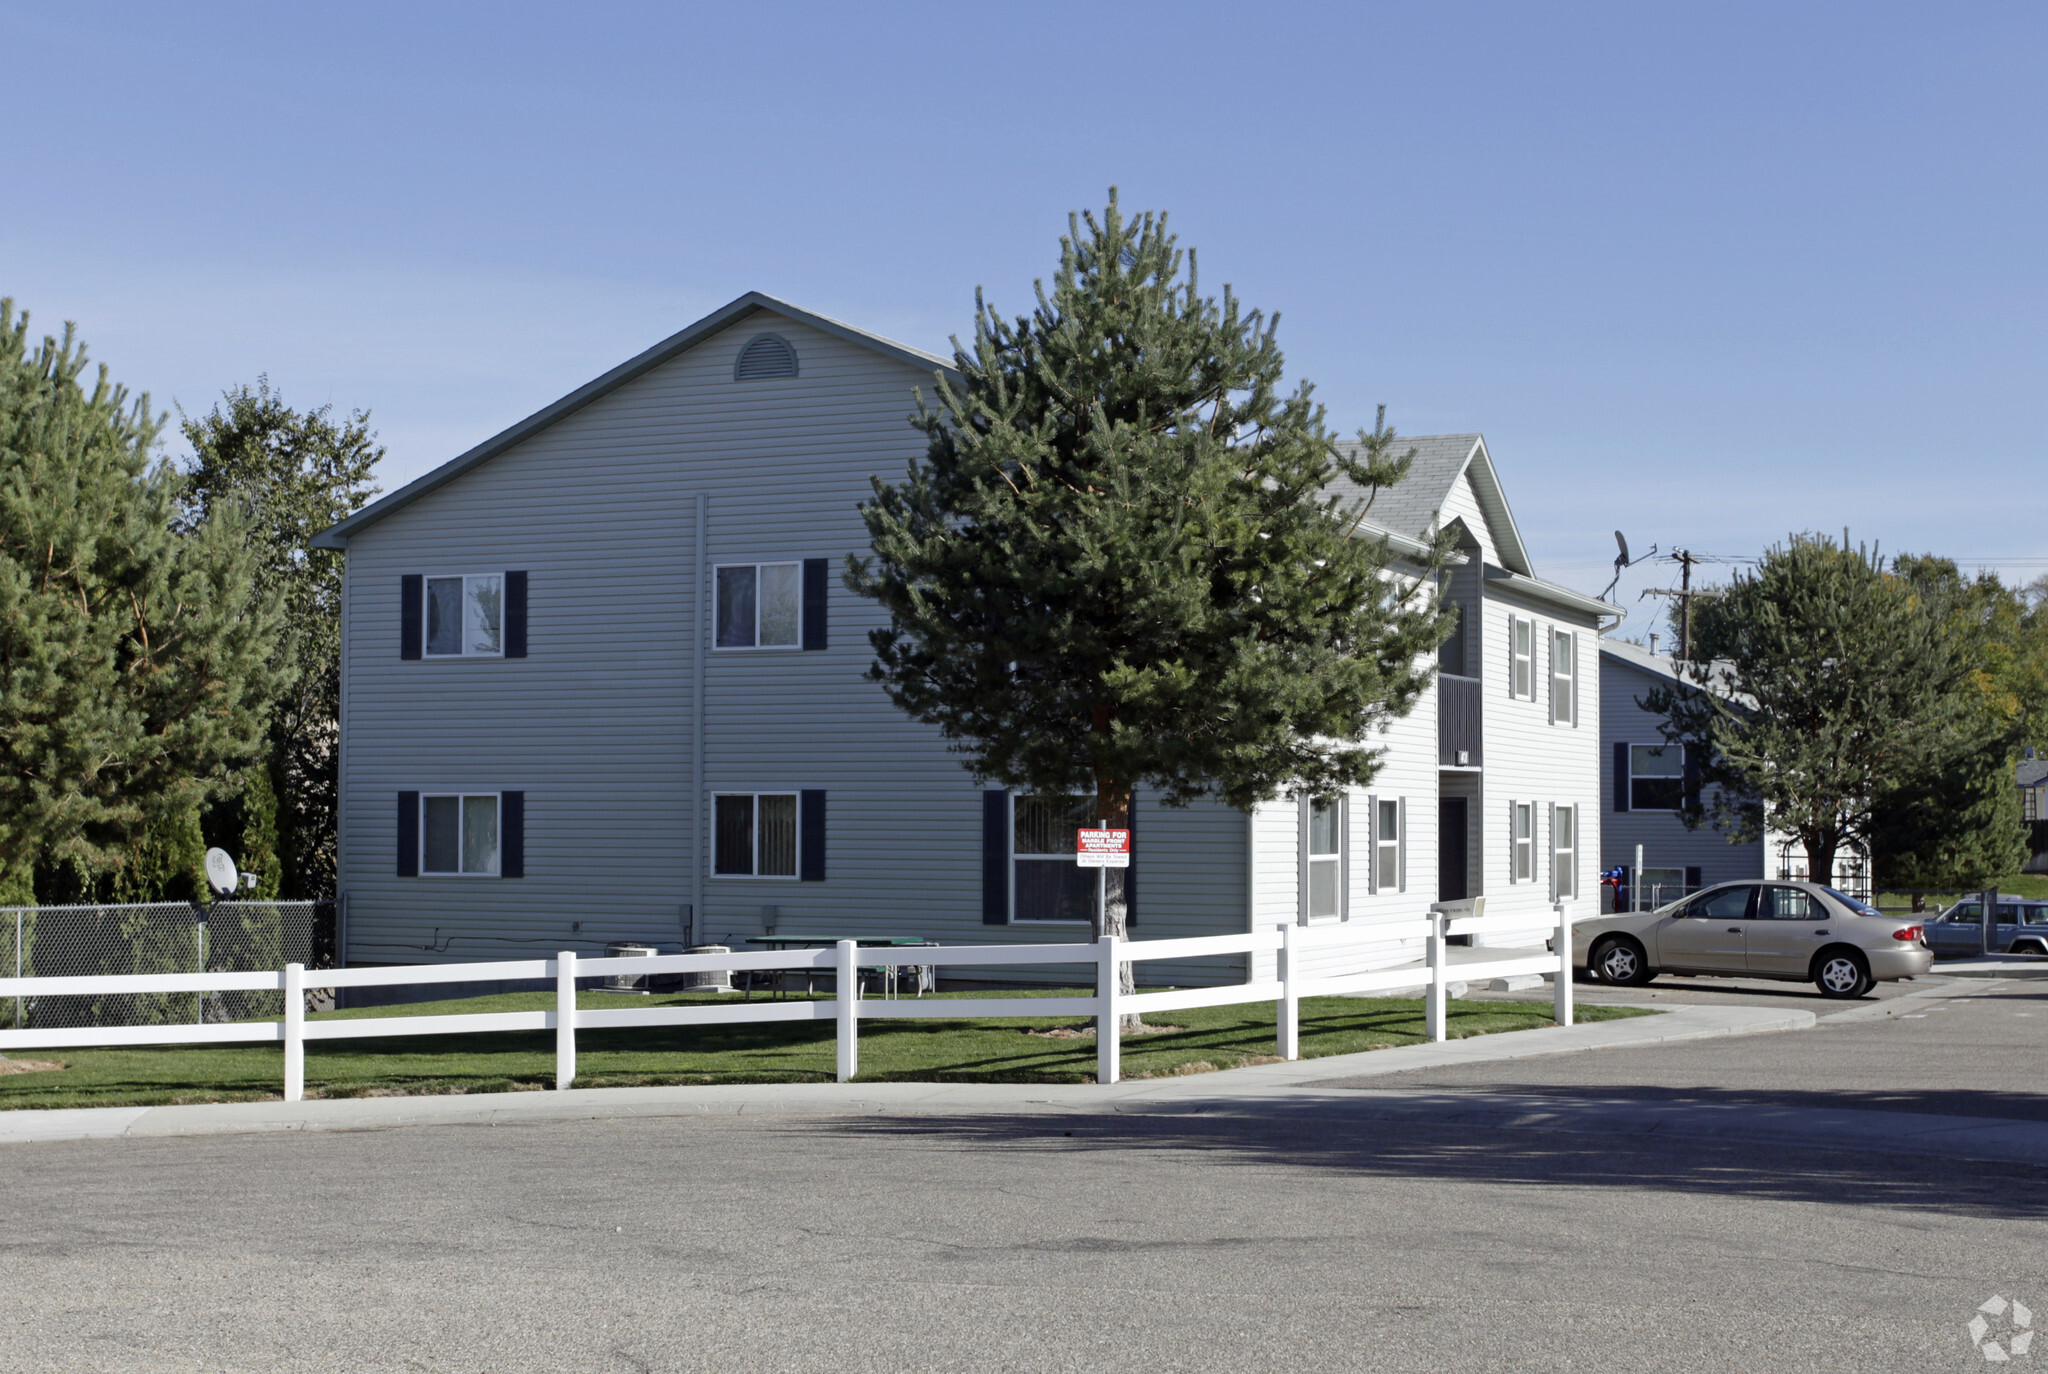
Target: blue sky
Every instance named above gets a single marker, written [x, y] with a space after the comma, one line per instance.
[1706, 274]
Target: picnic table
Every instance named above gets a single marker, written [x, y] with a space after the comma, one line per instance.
[922, 972]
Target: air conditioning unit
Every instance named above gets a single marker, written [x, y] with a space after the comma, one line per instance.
[712, 980]
[627, 982]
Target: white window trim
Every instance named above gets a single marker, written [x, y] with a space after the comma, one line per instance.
[497, 800]
[1379, 842]
[1010, 843]
[1516, 658]
[1656, 777]
[757, 876]
[1570, 677]
[1341, 860]
[757, 647]
[1564, 866]
[1519, 845]
[427, 581]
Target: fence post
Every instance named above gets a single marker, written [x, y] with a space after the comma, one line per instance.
[1109, 1018]
[1564, 965]
[1289, 1046]
[565, 1019]
[849, 1011]
[1433, 1004]
[294, 1032]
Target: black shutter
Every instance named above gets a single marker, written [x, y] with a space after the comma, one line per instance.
[1692, 880]
[1621, 777]
[411, 589]
[995, 857]
[1624, 897]
[814, 602]
[515, 615]
[1131, 873]
[1692, 779]
[511, 834]
[810, 826]
[409, 830]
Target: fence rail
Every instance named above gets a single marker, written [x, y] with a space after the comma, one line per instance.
[1288, 985]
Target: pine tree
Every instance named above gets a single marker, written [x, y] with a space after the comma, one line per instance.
[1121, 562]
[1819, 686]
[135, 657]
[294, 474]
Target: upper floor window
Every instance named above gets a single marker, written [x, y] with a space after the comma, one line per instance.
[465, 615]
[1521, 658]
[1450, 655]
[1562, 681]
[1656, 777]
[760, 606]
[1046, 883]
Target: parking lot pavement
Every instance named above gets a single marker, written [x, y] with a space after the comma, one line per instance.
[1670, 989]
[1952, 1047]
[997, 1243]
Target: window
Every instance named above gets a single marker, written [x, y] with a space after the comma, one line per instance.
[1046, 883]
[2030, 804]
[1656, 777]
[1563, 851]
[1790, 904]
[1525, 842]
[1561, 678]
[465, 615]
[756, 834]
[1656, 886]
[1386, 846]
[459, 835]
[760, 606]
[1450, 655]
[1722, 904]
[1522, 651]
[1324, 859]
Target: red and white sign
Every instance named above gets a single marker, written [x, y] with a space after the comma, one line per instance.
[1102, 848]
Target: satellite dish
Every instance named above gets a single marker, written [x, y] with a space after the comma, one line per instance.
[220, 871]
[1624, 560]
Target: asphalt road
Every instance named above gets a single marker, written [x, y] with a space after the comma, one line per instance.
[1005, 1243]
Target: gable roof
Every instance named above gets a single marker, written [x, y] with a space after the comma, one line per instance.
[1413, 505]
[1636, 656]
[337, 536]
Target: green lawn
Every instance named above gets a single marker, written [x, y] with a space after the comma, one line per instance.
[990, 1051]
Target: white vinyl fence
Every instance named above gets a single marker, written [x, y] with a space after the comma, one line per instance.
[847, 1009]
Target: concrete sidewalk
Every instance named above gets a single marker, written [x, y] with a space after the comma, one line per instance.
[1259, 1087]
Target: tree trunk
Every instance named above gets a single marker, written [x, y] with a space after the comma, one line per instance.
[1820, 856]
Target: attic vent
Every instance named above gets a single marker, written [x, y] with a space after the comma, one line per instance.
[766, 355]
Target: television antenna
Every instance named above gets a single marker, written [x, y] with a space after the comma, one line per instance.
[1623, 562]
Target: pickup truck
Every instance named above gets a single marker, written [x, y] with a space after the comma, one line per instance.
[2022, 928]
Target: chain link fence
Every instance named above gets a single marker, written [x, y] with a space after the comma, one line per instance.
[156, 937]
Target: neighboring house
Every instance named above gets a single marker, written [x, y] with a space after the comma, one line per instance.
[1648, 781]
[601, 681]
[2032, 776]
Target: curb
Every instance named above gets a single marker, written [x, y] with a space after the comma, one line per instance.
[1261, 1085]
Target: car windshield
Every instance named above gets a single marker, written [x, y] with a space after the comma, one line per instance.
[1860, 908]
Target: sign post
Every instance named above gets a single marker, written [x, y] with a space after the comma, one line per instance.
[1102, 849]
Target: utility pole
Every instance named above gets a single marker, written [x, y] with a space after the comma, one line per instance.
[1685, 558]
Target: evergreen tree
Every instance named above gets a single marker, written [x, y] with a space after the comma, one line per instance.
[1820, 686]
[1959, 824]
[135, 656]
[294, 474]
[1121, 562]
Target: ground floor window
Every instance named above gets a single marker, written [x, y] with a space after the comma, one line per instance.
[1325, 857]
[1525, 842]
[459, 835]
[1564, 850]
[1046, 884]
[756, 834]
[1656, 886]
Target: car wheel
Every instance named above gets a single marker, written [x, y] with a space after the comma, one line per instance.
[2029, 947]
[1842, 973]
[1620, 962]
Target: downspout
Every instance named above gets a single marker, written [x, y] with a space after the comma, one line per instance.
[700, 843]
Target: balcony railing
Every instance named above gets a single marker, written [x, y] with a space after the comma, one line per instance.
[1458, 730]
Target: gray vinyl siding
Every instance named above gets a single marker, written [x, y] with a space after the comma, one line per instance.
[595, 724]
[1665, 840]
